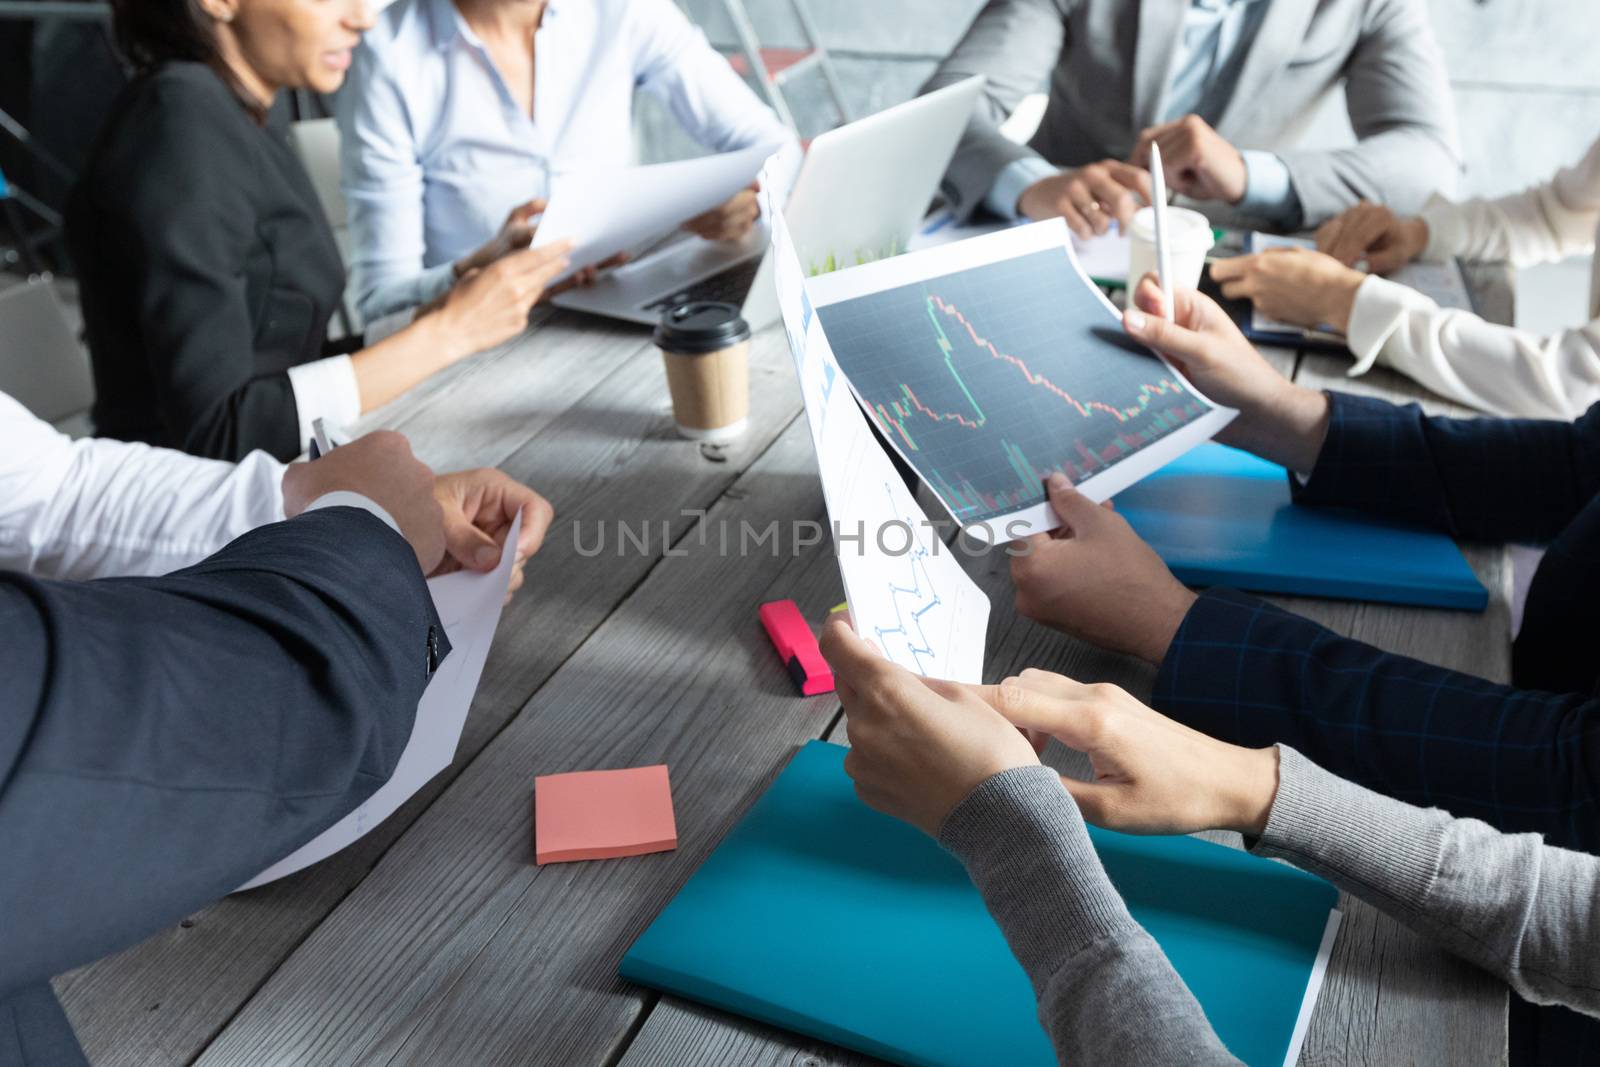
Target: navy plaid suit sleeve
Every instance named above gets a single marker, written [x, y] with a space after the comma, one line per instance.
[1252, 674]
[1477, 479]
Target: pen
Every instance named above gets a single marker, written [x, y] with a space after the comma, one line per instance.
[320, 444]
[1158, 189]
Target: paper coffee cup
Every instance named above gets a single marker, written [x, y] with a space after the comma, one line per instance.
[705, 347]
[1189, 238]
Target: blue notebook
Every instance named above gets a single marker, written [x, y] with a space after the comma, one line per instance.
[1219, 516]
[822, 916]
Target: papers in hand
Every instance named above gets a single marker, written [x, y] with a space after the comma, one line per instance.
[611, 210]
[469, 606]
[906, 590]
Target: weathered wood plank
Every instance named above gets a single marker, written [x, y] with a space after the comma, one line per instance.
[614, 457]
[457, 949]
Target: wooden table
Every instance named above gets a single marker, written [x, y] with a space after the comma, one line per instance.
[435, 940]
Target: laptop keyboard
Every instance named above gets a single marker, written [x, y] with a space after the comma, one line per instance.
[729, 287]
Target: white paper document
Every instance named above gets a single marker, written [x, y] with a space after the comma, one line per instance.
[609, 211]
[993, 363]
[907, 591]
[469, 606]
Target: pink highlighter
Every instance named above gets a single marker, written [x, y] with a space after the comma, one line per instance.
[797, 646]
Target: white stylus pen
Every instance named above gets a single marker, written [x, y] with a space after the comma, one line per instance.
[1158, 189]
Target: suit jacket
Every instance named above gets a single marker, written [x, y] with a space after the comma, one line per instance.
[1524, 757]
[1108, 63]
[206, 269]
[163, 740]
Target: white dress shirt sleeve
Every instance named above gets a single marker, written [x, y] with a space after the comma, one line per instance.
[382, 180]
[1498, 369]
[1547, 222]
[91, 508]
[344, 498]
[325, 389]
[675, 64]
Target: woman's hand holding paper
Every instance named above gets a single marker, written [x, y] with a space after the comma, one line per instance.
[918, 746]
[1151, 775]
[1278, 420]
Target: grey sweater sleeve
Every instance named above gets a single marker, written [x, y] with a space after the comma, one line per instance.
[1525, 911]
[1106, 991]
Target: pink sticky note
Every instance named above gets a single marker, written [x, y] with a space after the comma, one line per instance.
[596, 815]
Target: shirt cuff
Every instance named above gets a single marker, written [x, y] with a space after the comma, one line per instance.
[381, 299]
[1447, 229]
[1269, 189]
[344, 498]
[1023, 842]
[1016, 177]
[1380, 309]
[1351, 835]
[325, 389]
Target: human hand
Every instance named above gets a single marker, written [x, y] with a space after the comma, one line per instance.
[515, 233]
[730, 220]
[1196, 160]
[491, 305]
[1088, 197]
[1151, 775]
[1374, 233]
[479, 507]
[380, 467]
[917, 746]
[1278, 420]
[1095, 579]
[1293, 285]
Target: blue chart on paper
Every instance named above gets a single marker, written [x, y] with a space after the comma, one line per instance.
[914, 596]
[990, 378]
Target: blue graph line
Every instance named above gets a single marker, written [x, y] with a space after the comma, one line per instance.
[918, 576]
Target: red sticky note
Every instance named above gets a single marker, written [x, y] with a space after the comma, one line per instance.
[597, 815]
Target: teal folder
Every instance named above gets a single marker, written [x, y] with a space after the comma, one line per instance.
[822, 916]
[1219, 516]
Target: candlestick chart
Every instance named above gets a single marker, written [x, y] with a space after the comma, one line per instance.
[990, 378]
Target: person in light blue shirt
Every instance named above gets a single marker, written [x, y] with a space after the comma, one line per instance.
[458, 111]
[1227, 89]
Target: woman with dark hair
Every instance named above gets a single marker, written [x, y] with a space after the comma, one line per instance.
[208, 271]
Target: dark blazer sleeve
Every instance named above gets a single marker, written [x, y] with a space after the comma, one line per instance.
[182, 214]
[1479, 479]
[163, 740]
[1520, 760]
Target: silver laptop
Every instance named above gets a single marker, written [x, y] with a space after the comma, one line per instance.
[860, 195]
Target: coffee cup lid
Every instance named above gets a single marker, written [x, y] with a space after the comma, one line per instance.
[1188, 229]
[700, 326]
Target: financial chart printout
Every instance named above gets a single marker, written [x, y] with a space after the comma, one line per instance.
[992, 363]
[907, 592]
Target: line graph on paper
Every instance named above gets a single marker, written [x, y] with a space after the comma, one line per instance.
[988, 379]
[916, 621]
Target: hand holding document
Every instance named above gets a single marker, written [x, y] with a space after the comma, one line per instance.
[608, 211]
[469, 606]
